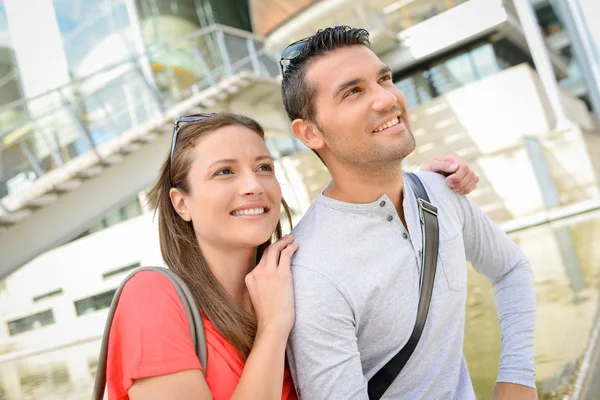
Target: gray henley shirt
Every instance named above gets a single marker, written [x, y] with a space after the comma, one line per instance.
[356, 277]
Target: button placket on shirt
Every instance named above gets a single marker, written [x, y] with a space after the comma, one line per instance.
[405, 235]
[390, 218]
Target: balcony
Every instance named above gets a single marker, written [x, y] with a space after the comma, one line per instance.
[73, 154]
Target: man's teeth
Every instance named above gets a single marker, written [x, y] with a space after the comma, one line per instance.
[388, 125]
[249, 211]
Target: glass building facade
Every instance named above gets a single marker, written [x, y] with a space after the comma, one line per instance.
[96, 69]
[457, 69]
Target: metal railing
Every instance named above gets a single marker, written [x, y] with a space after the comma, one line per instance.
[41, 134]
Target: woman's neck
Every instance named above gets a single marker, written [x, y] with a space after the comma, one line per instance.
[230, 267]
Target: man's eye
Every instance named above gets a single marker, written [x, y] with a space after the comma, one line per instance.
[351, 92]
[386, 78]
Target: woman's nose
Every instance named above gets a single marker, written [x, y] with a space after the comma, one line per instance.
[252, 185]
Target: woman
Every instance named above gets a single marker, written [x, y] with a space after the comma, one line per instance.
[218, 204]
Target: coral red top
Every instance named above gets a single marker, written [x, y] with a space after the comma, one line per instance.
[150, 336]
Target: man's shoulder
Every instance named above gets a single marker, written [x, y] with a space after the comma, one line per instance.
[322, 235]
[433, 181]
[437, 188]
[314, 222]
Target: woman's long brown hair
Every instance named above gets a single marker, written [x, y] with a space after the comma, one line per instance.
[178, 243]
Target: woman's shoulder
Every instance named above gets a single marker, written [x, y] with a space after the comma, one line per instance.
[150, 333]
[148, 300]
[145, 280]
[148, 286]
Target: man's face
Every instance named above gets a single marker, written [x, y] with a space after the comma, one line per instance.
[360, 112]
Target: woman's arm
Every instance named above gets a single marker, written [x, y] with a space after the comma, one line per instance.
[271, 291]
[262, 378]
[183, 385]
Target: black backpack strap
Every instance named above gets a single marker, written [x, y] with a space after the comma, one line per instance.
[384, 378]
[191, 310]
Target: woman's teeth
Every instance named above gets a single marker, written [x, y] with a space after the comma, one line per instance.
[388, 125]
[249, 211]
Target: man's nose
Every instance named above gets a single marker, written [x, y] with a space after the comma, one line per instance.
[384, 99]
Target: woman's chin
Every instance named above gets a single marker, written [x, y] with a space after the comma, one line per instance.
[256, 239]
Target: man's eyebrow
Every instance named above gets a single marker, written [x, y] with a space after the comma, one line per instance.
[347, 85]
[384, 70]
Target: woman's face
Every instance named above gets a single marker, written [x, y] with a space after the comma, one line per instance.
[234, 199]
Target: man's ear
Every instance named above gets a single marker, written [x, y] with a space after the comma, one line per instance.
[308, 133]
[179, 204]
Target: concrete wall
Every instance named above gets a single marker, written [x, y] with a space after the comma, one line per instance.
[77, 269]
[488, 121]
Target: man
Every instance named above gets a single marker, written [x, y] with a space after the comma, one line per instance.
[356, 273]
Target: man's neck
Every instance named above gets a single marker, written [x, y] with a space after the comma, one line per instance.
[352, 186]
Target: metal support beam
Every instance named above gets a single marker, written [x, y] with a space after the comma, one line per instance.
[83, 130]
[253, 56]
[224, 54]
[204, 66]
[32, 159]
[542, 172]
[584, 50]
[541, 59]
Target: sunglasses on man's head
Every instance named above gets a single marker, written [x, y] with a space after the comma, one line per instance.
[180, 120]
[291, 52]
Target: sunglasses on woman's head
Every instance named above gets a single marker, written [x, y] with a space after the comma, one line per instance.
[291, 52]
[180, 120]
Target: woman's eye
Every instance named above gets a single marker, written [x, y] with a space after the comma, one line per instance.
[266, 168]
[224, 171]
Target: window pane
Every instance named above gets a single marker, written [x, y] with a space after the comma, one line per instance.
[48, 295]
[452, 74]
[484, 60]
[113, 218]
[408, 86]
[94, 303]
[132, 209]
[416, 89]
[31, 322]
[120, 270]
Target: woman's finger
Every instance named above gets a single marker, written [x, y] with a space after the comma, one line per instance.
[286, 256]
[275, 250]
[456, 178]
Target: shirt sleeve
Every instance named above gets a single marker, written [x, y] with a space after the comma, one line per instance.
[150, 335]
[323, 347]
[496, 256]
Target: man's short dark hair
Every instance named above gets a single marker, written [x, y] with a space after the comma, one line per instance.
[296, 93]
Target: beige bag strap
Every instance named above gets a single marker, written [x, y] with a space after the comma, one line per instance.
[191, 310]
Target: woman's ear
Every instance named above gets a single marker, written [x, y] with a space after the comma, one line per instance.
[179, 204]
[308, 133]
